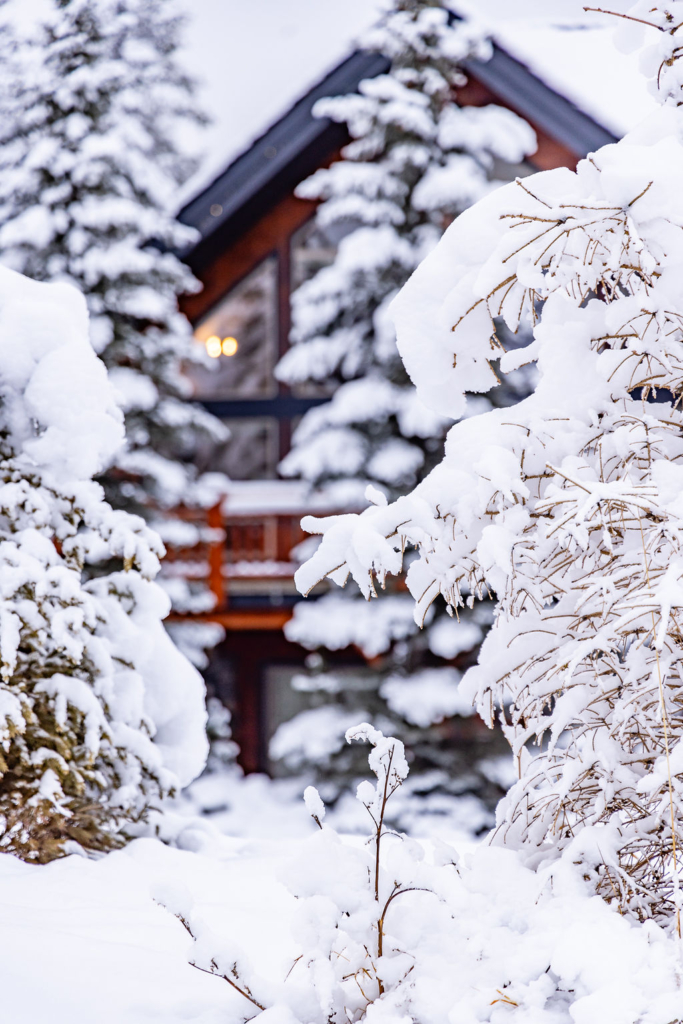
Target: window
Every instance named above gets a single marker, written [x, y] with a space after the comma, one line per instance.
[251, 451]
[312, 249]
[240, 336]
[285, 695]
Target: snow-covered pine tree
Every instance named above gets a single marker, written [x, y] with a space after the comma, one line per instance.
[100, 715]
[570, 510]
[416, 161]
[88, 171]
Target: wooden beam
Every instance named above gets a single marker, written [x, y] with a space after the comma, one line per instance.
[237, 620]
[214, 520]
[269, 234]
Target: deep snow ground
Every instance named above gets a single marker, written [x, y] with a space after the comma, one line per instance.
[86, 941]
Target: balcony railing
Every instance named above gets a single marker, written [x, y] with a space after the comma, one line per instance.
[241, 544]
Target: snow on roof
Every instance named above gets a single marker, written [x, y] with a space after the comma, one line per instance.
[573, 51]
[583, 65]
[256, 59]
[273, 497]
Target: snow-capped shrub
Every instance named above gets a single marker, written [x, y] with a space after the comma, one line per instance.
[396, 930]
[349, 917]
[99, 713]
[568, 509]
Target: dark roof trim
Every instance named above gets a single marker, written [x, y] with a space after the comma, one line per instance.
[533, 99]
[281, 407]
[271, 168]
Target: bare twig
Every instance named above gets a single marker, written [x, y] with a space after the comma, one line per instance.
[627, 17]
[216, 971]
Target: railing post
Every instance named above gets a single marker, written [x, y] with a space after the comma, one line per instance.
[217, 584]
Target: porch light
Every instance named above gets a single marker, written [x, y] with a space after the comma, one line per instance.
[213, 346]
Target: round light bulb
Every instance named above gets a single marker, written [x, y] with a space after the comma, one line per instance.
[229, 346]
[213, 346]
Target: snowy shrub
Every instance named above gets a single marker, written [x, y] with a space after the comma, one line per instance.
[568, 508]
[99, 713]
[395, 930]
[346, 894]
[348, 920]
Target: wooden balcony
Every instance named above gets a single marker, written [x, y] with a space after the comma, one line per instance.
[236, 551]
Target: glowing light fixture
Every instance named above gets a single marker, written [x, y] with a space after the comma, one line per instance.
[213, 346]
[229, 346]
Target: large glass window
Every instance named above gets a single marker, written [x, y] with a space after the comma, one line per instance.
[240, 336]
[287, 693]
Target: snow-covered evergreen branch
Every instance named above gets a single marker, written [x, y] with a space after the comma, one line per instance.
[100, 715]
[417, 159]
[91, 103]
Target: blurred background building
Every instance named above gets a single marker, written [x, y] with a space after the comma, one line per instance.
[256, 243]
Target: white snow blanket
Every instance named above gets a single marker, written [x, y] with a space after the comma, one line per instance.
[85, 940]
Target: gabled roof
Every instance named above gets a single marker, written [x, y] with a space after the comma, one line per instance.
[296, 144]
